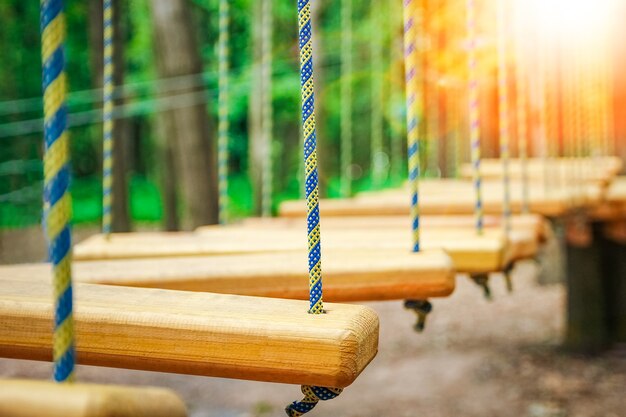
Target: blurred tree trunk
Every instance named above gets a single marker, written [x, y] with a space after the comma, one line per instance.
[167, 175]
[121, 127]
[255, 111]
[189, 128]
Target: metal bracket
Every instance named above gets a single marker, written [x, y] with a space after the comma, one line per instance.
[421, 308]
[482, 280]
[507, 276]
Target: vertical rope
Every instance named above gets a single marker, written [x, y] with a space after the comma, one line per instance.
[474, 114]
[503, 109]
[541, 54]
[346, 97]
[396, 111]
[522, 125]
[312, 394]
[432, 116]
[310, 156]
[268, 178]
[107, 125]
[223, 104]
[56, 195]
[413, 102]
[376, 73]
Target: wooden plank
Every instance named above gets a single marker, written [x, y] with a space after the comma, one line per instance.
[469, 252]
[613, 206]
[443, 197]
[218, 335]
[600, 170]
[522, 222]
[25, 398]
[349, 275]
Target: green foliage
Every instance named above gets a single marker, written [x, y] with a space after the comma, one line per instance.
[20, 79]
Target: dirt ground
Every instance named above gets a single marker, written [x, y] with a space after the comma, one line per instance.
[476, 358]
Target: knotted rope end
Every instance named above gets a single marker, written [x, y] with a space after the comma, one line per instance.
[312, 395]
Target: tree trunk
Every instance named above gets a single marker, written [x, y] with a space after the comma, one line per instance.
[255, 110]
[121, 221]
[587, 330]
[188, 128]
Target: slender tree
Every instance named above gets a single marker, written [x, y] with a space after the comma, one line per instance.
[188, 129]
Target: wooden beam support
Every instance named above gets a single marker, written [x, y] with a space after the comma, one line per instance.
[24, 398]
[228, 336]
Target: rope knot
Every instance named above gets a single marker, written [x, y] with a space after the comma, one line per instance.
[312, 395]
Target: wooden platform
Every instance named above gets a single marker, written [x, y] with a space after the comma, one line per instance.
[452, 197]
[521, 222]
[469, 252]
[364, 275]
[613, 206]
[599, 170]
[24, 398]
[228, 336]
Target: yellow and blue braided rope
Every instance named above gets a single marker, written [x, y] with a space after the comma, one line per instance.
[474, 115]
[107, 119]
[57, 200]
[503, 109]
[312, 394]
[223, 122]
[413, 111]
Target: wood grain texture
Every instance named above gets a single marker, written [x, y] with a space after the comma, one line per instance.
[25, 398]
[521, 222]
[601, 169]
[469, 252]
[228, 336]
[452, 197]
[349, 275]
